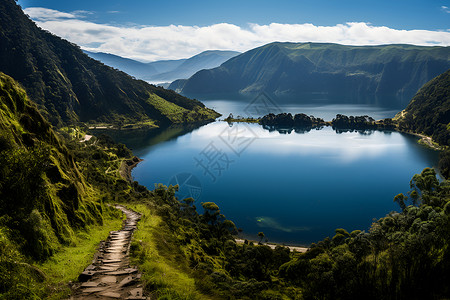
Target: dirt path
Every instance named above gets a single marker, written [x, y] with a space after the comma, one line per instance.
[110, 275]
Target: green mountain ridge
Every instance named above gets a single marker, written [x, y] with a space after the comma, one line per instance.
[70, 87]
[429, 111]
[302, 69]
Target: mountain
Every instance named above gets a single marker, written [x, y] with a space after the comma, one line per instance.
[429, 111]
[71, 87]
[129, 66]
[205, 60]
[308, 69]
[165, 70]
[163, 66]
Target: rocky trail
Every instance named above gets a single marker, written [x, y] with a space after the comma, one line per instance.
[110, 275]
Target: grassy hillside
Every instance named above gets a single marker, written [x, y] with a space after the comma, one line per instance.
[44, 198]
[302, 69]
[69, 87]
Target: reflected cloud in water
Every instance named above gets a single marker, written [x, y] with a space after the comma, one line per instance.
[340, 147]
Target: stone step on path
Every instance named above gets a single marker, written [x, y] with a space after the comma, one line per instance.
[110, 275]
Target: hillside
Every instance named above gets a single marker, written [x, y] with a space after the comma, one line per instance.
[43, 195]
[69, 87]
[429, 111]
[330, 70]
[165, 70]
[132, 67]
[204, 60]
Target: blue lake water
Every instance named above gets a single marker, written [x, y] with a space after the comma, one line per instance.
[296, 187]
[261, 106]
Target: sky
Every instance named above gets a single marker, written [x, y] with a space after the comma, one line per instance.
[149, 30]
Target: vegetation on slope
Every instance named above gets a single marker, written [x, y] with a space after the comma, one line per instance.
[44, 198]
[329, 70]
[429, 111]
[428, 114]
[70, 87]
[52, 199]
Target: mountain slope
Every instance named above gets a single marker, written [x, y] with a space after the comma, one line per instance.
[165, 70]
[69, 87]
[204, 60]
[163, 66]
[301, 69]
[40, 184]
[429, 111]
[129, 66]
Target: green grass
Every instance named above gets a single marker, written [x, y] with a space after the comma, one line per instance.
[165, 275]
[71, 260]
[170, 110]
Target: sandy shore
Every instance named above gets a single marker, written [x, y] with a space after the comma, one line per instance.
[273, 246]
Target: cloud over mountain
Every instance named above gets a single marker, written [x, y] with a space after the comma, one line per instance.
[150, 43]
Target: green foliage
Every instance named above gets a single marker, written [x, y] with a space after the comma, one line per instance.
[429, 110]
[18, 279]
[45, 201]
[444, 163]
[403, 256]
[70, 87]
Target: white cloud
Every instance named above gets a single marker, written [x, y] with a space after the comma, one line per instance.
[46, 14]
[150, 43]
[445, 9]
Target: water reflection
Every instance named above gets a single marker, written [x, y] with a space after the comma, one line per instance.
[296, 185]
[324, 109]
[141, 140]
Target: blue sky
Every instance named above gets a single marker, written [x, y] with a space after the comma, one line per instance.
[170, 17]
[398, 14]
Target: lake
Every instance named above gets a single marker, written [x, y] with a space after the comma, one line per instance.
[295, 186]
[322, 108]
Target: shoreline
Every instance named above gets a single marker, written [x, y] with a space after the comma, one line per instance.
[273, 245]
[126, 166]
[424, 139]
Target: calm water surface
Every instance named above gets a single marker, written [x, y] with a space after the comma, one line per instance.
[295, 187]
[323, 110]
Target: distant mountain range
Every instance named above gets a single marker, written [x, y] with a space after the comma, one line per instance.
[165, 70]
[71, 87]
[302, 70]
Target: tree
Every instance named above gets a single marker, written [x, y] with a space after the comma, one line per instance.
[424, 184]
[211, 212]
[261, 236]
[400, 199]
